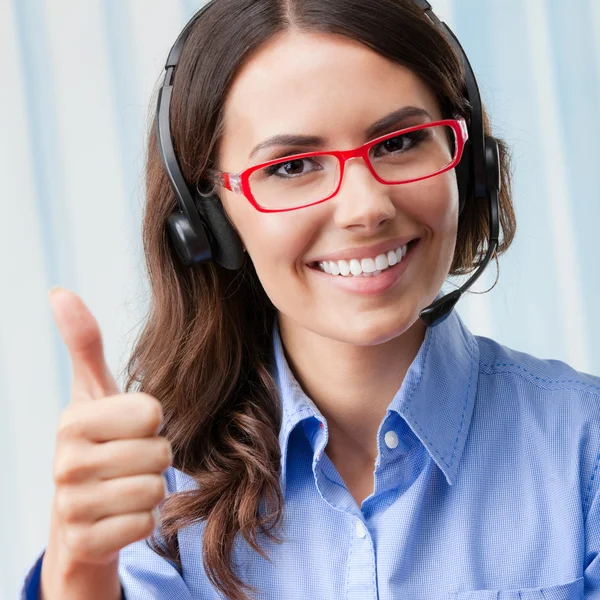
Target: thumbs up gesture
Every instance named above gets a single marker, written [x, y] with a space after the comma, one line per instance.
[108, 461]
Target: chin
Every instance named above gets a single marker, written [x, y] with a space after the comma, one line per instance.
[369, 329]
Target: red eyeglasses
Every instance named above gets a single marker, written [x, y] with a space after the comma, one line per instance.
[301, 180]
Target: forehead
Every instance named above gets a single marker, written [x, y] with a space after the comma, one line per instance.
[316, 84]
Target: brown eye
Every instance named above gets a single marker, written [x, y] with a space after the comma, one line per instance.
[401, 143]
[395, 144]
[292, 168]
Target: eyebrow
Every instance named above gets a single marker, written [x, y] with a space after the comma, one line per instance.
[380, 127]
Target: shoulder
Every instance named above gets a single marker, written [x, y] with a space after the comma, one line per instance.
[543, 374]
[547, 408]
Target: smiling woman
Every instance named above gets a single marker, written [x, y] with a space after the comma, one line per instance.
[328, 441]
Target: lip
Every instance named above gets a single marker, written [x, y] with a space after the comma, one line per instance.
[365, 252]
[371, 286]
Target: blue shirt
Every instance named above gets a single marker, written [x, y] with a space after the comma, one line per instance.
[486, 488]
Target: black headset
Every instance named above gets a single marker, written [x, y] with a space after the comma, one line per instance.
[200, 230]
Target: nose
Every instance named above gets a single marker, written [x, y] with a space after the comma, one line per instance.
[362, 203]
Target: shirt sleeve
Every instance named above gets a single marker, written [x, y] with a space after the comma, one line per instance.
[592, 546]
[144, 575]
[31, 585]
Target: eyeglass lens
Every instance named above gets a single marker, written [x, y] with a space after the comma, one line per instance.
[407, 156]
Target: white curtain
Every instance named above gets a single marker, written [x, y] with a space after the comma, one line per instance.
[76, 83]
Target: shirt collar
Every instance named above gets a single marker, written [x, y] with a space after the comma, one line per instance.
[436, 398]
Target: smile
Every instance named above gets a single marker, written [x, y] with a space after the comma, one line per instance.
[367, 267]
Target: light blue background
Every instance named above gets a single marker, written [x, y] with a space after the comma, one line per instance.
[77, 84]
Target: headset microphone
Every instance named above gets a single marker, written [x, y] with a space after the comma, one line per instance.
[482, 162]
[200, 230]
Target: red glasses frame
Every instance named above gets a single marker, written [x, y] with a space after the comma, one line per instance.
[239, 183]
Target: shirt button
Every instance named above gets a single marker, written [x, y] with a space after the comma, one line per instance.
[360, 529]
[391, 439]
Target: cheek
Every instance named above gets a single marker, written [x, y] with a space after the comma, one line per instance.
[276, 242]
[434, 203]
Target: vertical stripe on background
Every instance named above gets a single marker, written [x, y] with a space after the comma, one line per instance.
[130, 113]
[129, 105]
[526, 298]
[47, 166]
[577, 91]
[556, 189]
[594, 19]
[94, 189]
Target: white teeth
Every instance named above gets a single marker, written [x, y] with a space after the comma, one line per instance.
[355, 267]
[344, 267]
[367, 267]
[381, 262]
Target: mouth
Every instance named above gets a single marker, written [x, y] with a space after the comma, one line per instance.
[366, 267]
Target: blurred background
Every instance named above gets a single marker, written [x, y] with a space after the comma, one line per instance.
[77, 86]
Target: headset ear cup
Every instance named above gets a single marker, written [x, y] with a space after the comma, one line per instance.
[226, 244]
[192, 247]
[492, 164]
[463, 177]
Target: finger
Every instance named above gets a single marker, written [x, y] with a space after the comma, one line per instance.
[99, 499]
[78, 462]
[103, 539]
[125, 416]
[80, 332]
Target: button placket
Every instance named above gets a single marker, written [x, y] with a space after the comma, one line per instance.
[361, 568]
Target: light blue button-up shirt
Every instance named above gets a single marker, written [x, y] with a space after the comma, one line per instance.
[486, 488]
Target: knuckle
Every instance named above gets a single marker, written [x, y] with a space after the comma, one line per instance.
[148, 523]
[69, 427]
[66, 506]
[78, 541]
[151, 412]
[157, 489]
[67, 469]
[166, 452]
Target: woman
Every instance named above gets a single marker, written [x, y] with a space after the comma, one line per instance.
[329, 439]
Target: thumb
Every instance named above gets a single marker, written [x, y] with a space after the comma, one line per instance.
[80, 332]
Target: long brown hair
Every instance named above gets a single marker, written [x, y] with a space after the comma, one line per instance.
[206, 347]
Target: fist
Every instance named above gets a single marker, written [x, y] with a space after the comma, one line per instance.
[109, 458]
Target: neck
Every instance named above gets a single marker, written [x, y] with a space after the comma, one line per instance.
[351, 385]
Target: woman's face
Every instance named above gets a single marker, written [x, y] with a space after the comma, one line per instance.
[335, 88]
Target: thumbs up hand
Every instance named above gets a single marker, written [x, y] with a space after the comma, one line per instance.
[108, 461]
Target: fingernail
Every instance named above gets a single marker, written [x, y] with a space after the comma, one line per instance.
[52, 290]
